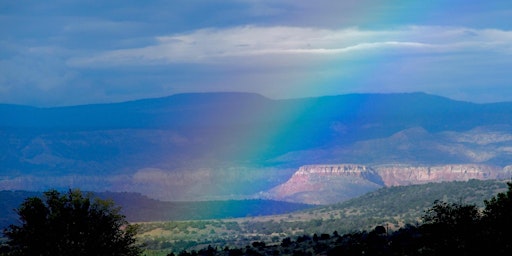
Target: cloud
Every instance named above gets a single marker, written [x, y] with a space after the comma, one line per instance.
[220, 45]
[276, 61]
[61, 52]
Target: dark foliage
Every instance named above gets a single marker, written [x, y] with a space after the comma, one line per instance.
[497, 222]
[70, 224]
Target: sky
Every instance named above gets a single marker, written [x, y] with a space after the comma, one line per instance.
[57, 53]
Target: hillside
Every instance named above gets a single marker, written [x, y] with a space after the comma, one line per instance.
[389, 207]
[392, 207]
[446, 228]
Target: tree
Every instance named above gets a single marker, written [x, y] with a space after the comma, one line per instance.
[499, 209]
[71, 224]
[443, 213]
[451, 228]
[497, 219]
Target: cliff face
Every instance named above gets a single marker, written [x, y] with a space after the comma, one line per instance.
[397, 175]
[343, 170]
[325, 184]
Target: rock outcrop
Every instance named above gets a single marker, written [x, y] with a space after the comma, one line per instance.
[399, 175]
[323, 184]
[326, 184]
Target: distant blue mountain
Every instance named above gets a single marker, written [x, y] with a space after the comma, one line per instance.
[226, 109]
[308, 121]
[186, 132]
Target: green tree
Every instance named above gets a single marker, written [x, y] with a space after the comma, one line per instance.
[70, 224]
[453, 214]
[497, 220]
[451, 228]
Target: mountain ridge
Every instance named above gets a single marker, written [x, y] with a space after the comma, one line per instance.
[220, 99]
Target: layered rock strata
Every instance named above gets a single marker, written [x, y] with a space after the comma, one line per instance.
[398, 175]
[322, 184]
[325, 184]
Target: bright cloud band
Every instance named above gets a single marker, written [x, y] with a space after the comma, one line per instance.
[212, 45]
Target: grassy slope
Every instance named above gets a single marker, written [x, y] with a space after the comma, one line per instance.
[393, 207]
